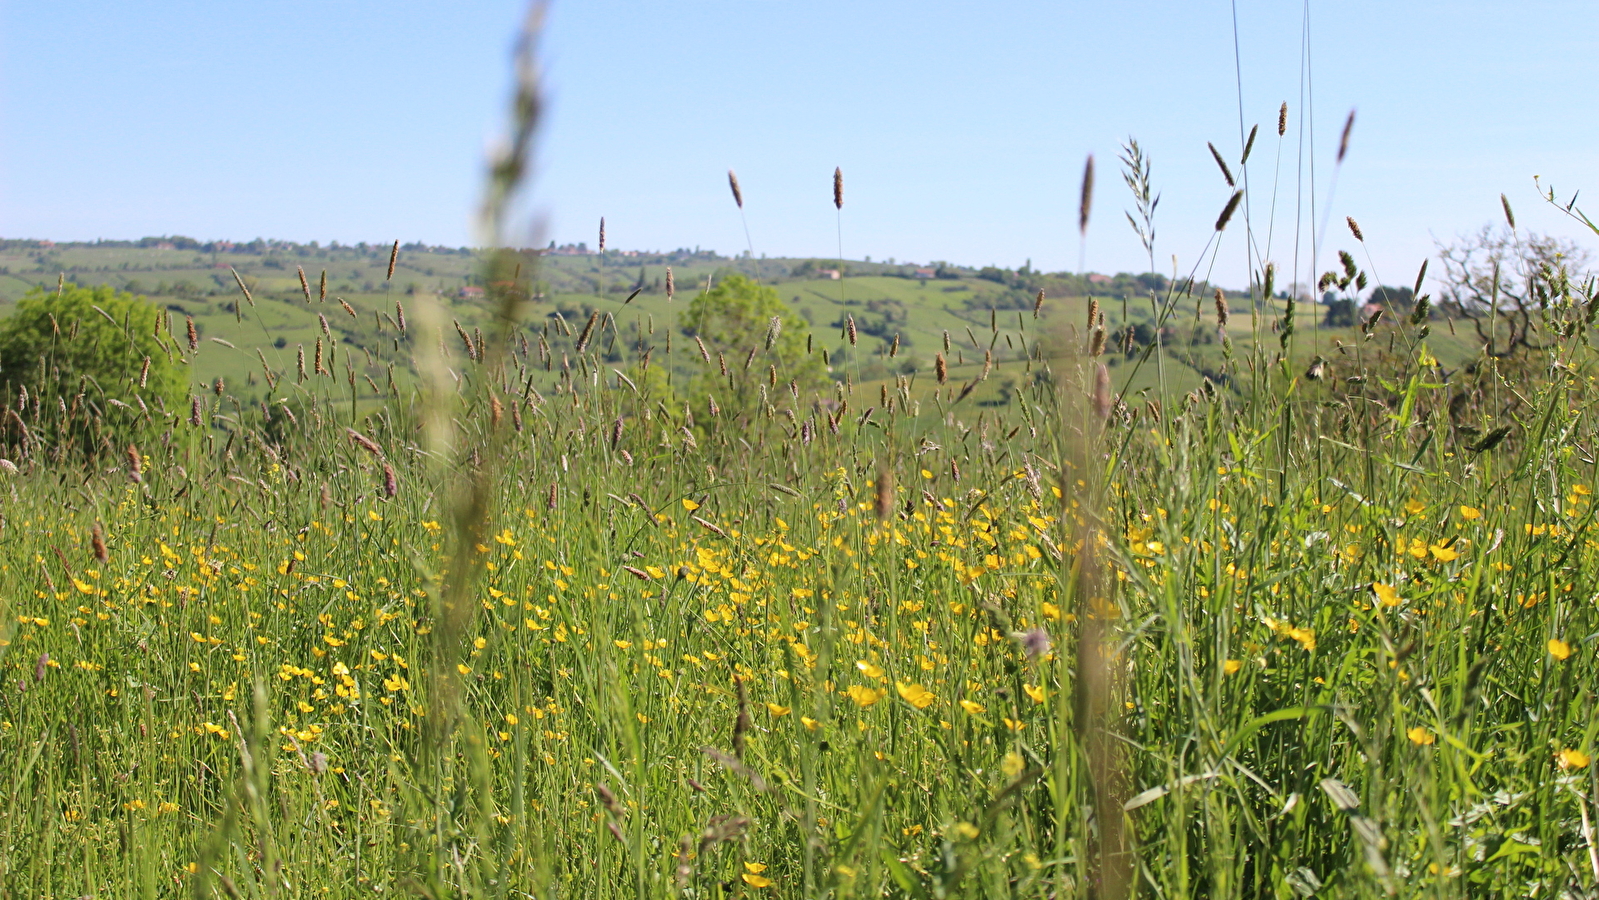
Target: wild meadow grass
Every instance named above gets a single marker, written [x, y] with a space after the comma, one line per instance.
[1294, 638]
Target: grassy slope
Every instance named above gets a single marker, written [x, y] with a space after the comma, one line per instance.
[200, 285]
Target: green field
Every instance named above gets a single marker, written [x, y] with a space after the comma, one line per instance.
[979, 314]
[1086, 627]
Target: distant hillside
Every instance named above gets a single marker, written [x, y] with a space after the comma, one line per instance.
[986, 310]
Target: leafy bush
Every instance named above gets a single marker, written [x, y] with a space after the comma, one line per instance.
[88, 361]
[734, 319]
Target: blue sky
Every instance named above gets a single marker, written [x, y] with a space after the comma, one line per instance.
[961, 128]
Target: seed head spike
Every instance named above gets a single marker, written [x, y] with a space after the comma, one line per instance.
[1086, 198]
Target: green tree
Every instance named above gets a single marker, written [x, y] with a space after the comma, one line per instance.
[93, 352]
[733, 319]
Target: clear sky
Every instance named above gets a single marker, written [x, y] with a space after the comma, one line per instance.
[961, 128]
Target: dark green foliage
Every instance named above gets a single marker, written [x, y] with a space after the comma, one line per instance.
[1340, 313]
[80, 356]
[735, 318]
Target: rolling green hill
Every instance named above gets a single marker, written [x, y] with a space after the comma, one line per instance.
[987, 310]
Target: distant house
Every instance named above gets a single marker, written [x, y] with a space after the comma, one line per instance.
[1097, 278]
[166, 245]
[470, 292]
[829, 273]
[926, 273]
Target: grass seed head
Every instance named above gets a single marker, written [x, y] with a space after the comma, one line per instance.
[1226, 173]
[732, 182]
[394, 257]
[1282, 119]
[1085, 199]
[885, 493]
[1343, 141]
[838, 188]
[1228, 210]
[97, 544]
[1354, 229]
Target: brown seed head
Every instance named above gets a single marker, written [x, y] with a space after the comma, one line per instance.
[1343, 142]
[249, 299]
[588, 330]
[1249, 145]
[194, 411]
[97, 543]
[1038, 304]
[1509, 216]
[322, 288]
[1221, 309]
[1093, 311]
[1102, 392]
[144, 373]
[732, 182]
[391, 482]
[394, 257]
[1282, 120]
[885, 493]
[194, 336]
[1097, 345]
[850, 327]
[838, 188]
[671, 286]
[602, 234]
[1225, 172]
[1085, 201]
[941, 367]
[1228, 210]
[1354, 229]
[135, 464]
[399, 316]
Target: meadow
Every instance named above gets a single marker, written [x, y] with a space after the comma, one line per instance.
[536, 619]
